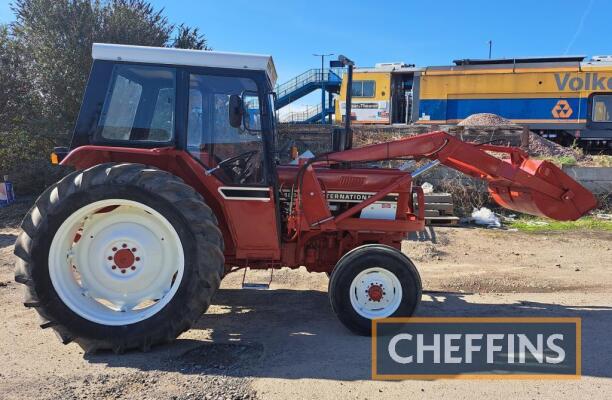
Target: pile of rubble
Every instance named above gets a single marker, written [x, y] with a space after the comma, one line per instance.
[541, 147]
[538, 146]
[485, 119]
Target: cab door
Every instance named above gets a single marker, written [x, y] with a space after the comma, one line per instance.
[236, 156]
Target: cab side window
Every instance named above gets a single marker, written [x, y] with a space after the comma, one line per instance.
[602, 108]
[212, 140]
[139, 105]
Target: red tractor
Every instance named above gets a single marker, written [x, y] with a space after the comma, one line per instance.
[176, 183]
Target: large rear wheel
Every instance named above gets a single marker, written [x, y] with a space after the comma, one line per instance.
[119, 256]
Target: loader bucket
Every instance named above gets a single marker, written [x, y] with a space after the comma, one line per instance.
[541, 188]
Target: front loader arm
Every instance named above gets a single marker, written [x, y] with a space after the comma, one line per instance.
[518, 183]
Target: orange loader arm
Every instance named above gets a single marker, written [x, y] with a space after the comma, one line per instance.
[517, 183]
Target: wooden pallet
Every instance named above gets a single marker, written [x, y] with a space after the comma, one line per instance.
[443, 220]
[439, 209]
[438, 198]
[443, 208]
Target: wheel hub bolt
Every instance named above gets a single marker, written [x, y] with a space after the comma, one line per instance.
[375, 292]
[123, 258]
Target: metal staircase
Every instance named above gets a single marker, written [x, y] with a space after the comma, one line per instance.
[306, 83]
[310, 115]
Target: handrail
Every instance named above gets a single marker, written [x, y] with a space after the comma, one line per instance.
[314, 75]
[299, 116]
[306, 114]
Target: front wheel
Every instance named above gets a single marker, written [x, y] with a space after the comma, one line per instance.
[371, 282]
[119, 256]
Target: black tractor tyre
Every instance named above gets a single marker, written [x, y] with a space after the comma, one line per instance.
[360, 259]
[182, 207]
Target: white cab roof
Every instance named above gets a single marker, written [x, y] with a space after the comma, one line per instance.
[198, 58]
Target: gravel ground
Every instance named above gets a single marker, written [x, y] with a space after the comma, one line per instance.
[286, 342]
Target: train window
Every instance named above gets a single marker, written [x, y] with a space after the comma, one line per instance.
[602, 108]
[363, 89]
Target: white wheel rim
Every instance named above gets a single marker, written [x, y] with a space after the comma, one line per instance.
[93, 272]
[375, 293]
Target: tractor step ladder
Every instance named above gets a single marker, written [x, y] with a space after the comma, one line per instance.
[256, 285]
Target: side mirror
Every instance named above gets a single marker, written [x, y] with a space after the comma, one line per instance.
[235, 111]
[252, 111]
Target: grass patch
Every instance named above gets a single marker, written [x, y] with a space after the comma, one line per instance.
[527, 224]
[560, 160]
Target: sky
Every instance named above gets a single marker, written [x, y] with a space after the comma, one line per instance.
[417, 32]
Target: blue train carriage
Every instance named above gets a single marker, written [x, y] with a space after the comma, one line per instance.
[562, 98]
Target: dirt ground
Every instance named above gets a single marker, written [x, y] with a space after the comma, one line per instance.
[286, 342]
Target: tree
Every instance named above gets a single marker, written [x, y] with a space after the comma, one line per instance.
[190, 38]
[56, 37]
[16, 101]
[45, 58]
[134, 22]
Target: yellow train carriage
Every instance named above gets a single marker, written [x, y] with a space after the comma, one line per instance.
[372, 94]
[562, 96]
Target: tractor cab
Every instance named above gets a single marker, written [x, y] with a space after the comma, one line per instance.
[216, 106]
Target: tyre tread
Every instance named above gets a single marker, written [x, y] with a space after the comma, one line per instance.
[209, 260]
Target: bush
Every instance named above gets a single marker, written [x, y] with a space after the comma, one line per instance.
[467, 194]
[24, 157]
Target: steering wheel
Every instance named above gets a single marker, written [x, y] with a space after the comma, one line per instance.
[241, 161]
